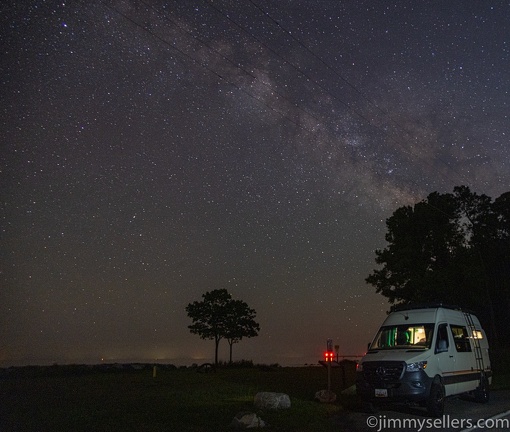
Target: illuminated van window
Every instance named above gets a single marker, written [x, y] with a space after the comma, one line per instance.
[477, 334]
[414, 336]
[460, 338]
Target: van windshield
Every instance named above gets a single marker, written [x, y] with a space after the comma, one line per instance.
[404, 336]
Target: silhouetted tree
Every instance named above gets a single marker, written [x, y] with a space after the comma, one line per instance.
[240, 323]
[450, 248]
[218, 316]
[422, 241]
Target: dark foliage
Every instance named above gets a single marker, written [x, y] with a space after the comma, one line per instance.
[218, 316]
[450, 248]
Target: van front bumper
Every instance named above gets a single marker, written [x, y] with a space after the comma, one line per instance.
[411, 387]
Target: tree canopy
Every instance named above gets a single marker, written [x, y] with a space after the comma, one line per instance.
[218, 316]
[450, 248]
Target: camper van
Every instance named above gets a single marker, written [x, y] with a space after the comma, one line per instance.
[423, 354]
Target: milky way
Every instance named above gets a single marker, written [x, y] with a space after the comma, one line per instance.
[155, 151]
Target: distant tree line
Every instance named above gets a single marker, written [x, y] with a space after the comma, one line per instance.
[218, 316]
[452, 248]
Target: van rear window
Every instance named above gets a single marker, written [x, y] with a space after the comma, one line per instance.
[477, 334]
[408, 336]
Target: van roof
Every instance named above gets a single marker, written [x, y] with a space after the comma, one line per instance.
[411, 306]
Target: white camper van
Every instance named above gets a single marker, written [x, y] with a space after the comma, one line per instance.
[423, 354]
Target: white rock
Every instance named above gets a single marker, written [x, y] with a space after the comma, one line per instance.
[247, 420]
[270, 400]
[326, 396]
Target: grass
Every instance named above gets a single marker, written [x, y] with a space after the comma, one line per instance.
[500, 381]
[500, 359]
[83, 399]
[180, 399]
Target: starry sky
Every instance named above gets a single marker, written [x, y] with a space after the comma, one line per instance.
[153, 151]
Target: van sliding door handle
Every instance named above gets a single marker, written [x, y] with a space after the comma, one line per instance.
[451, 356]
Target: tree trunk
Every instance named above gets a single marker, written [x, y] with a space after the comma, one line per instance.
[230, 343]
[217, 341]
[490, 305]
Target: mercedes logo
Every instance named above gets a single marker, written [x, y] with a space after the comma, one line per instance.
[381, 371]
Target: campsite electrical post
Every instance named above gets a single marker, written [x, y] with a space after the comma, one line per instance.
[329, 359]
[328, 363]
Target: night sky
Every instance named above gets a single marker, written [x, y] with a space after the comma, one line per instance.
[151, 152]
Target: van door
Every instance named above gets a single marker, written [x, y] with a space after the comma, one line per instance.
[468, 375]
[444, 353]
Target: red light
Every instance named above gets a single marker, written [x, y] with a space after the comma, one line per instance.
[328, 356]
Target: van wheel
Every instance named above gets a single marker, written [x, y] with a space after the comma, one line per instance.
[435, 402]
[482, 392]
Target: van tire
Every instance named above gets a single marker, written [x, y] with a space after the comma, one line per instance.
[435, 402]
[482, 392]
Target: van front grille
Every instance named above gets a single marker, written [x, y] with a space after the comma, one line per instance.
[383, 372]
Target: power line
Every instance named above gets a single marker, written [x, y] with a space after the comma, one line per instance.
[329, 67]
[278, 24]
[144, 28]
[236, 65]
[205, 66]
[221, 12]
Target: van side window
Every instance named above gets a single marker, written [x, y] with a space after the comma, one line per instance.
[460, 338]
[442, 338]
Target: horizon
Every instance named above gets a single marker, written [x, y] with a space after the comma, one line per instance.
[178, 362]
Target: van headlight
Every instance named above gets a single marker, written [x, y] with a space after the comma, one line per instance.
[414, 367]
